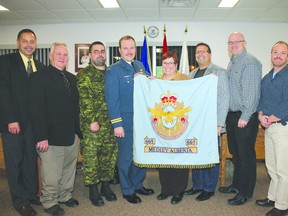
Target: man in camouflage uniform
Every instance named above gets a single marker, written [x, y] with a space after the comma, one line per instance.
[99, 146]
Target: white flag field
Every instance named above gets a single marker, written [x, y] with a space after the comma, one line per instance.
[175, 123]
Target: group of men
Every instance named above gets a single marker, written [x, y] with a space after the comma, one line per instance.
[48, 112]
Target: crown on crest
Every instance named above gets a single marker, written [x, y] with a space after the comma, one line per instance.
[168, 98]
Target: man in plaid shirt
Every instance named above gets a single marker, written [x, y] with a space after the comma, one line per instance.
[244, 74]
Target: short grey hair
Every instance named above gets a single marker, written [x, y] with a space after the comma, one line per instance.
[57, 44]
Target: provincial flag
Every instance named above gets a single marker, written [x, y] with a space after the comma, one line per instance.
[164, 46]
[145, 55]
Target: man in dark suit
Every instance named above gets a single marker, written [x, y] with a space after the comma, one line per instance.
[54, 105]
[18, 142]
[119, 87]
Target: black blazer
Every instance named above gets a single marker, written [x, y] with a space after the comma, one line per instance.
[14, 91]
[54, 114]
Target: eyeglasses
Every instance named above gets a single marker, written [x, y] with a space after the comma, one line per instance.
[202, 51]
[168, 63]
[235, 42]
[97, 52]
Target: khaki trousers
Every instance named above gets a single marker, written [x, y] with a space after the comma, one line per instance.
[276, 150]
[58, 168]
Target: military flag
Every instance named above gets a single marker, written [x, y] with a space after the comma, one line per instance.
[175, 123]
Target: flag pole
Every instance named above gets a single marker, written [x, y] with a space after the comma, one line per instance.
[145, 54]
[184, 61]
[148, 52]
[164, 46]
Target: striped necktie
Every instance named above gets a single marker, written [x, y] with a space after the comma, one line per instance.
[29, 68]
[66, 84]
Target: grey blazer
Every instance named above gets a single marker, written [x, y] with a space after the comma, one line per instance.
[222, 91]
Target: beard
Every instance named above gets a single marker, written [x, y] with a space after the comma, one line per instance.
[99, 62]
[278, 62]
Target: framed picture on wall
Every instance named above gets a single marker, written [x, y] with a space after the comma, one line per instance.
[81, 56]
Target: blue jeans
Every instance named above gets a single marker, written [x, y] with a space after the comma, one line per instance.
[206, 178]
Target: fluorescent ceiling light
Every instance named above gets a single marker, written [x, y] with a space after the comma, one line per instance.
[228, 3]
[109, 3]
[3, 8]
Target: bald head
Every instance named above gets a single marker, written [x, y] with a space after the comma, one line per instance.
[236, 43]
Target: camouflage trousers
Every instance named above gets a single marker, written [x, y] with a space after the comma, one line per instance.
[99, 157]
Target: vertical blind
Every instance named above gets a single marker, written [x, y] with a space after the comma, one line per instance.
[41, 54]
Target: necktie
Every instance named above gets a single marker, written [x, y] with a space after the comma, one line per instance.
[67, 84]
[132, 64]
[29, 68]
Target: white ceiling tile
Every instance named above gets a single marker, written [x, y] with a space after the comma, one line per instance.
[39, 15]
[271, 20]
[176, 12]
[59, 4]
[90, 4]
[257, 3]
[16, 22]
[17, 5]
[144, 13]
[110, 19]
[68, 11]
[139, 4]
[282, 4]
[73, 14]
[208, 3]
[107, 13]
[276, 13]
[243, 19]
[249, 13]
[11, 16]
[207, 19]
[212, 13]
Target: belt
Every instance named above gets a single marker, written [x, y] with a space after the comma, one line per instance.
[235, 112]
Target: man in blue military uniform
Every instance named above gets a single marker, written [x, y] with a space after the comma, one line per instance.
[119, 85]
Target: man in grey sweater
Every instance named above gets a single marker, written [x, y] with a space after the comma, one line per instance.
[205, 180]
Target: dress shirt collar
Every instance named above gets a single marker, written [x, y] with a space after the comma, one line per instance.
[239, 56]
[25, 61]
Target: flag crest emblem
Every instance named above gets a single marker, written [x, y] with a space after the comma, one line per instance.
[169, 118]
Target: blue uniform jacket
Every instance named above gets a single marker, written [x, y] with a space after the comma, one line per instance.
[119, 86]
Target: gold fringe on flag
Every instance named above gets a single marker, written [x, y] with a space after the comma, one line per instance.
[174, 166]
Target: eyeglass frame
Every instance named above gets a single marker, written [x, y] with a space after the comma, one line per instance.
[202, 51]
[168, 63]
[235, 42]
